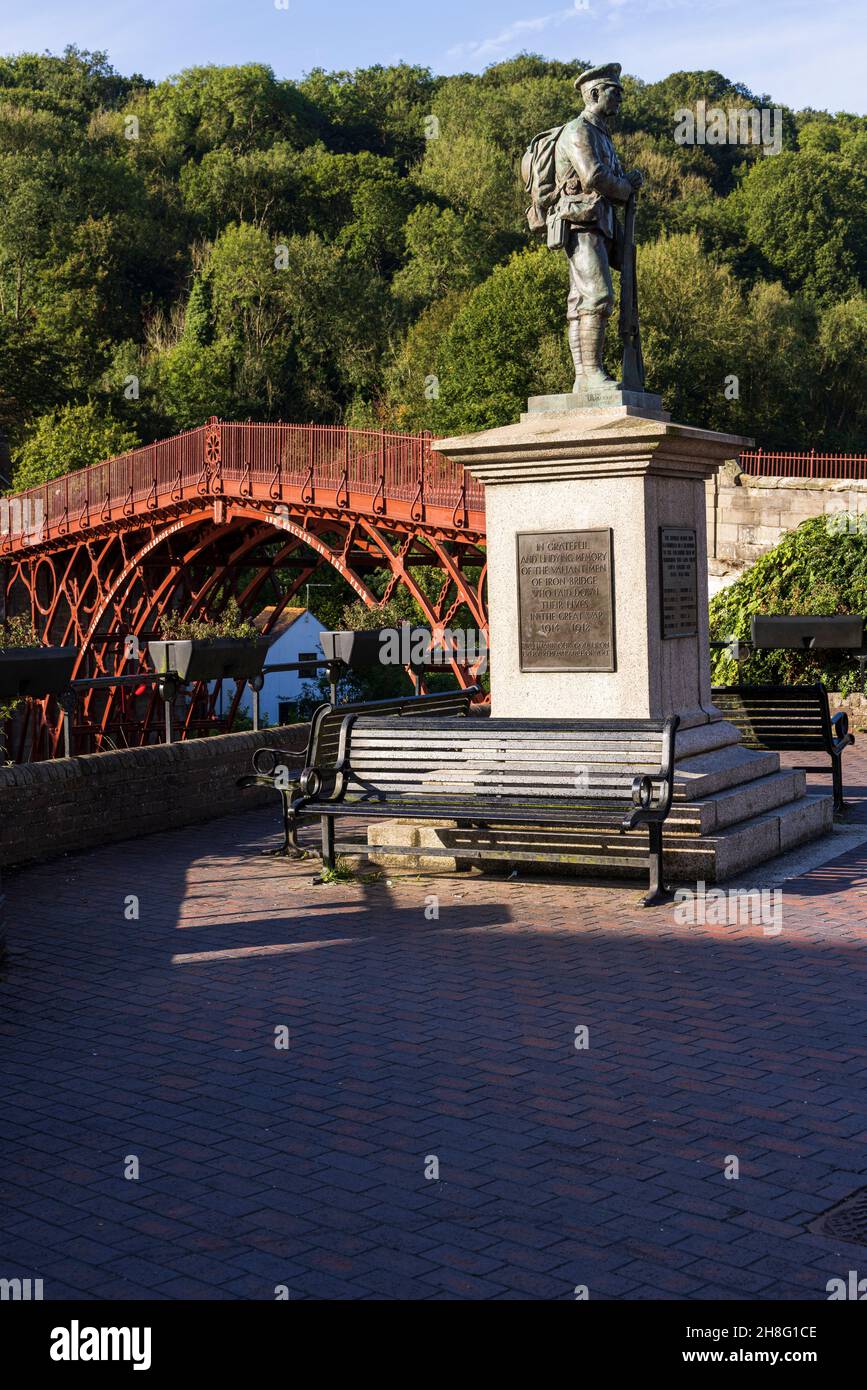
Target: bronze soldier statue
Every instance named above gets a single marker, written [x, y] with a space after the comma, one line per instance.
[577, 181]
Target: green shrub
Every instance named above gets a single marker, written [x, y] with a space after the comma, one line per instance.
[16, 631]
[229, 624]
[359, 618]
[820, 568]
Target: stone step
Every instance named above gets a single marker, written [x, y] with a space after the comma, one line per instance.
[687, 857]
[738, 847]
[728, 807]
[721, 768]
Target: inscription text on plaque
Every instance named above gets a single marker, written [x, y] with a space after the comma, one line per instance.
[678, 581]
[566, 600]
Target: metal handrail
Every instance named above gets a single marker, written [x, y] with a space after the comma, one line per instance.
[327, 462]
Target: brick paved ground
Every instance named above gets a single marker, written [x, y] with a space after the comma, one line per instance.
[410, 1038]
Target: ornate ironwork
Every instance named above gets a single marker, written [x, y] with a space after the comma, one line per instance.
[146, 537]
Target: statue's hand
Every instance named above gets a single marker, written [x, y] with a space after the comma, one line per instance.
[635, 177]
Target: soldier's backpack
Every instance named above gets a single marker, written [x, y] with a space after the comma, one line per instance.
[540, 179]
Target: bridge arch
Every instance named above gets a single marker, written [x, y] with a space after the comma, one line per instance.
[227, 512]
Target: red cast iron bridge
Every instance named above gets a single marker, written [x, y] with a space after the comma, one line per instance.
[251, 512]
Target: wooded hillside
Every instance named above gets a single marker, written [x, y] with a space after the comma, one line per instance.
[353, 247]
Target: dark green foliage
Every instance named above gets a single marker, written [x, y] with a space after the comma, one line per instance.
[353, 246]
[820, 569]
[229, 624]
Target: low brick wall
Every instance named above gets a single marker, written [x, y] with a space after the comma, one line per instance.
[52, 808]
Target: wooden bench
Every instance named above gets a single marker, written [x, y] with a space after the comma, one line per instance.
[550, 774]
[789, 718]
[270, 767]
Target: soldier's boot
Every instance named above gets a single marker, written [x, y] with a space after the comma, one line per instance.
[575, 349]
[592, 331]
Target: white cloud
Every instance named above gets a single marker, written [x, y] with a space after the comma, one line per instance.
[787, 48]
[514, 33]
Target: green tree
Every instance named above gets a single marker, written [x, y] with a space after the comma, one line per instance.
[806, 213]
[840, 384]
[488, 359]
[64, 440]
[692, 328]
[381, 109]
[258, 186]
[241, 108]
[199, 314]
[444, 252]
[193, 380]
[32, 373]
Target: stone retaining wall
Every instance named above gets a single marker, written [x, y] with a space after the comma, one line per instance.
[55, 807]
[855, 707]
[747, 516]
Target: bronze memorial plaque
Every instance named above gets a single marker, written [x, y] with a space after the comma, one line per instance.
[565, 601]
[678, 585]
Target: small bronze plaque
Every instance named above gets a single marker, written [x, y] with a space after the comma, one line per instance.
[678, 550]
[566, 601]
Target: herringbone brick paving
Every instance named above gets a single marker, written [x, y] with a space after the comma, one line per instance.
[410, 1039]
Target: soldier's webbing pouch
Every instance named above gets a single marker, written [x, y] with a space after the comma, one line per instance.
[558, 231]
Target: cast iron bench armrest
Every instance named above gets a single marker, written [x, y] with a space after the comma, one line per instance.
[268, 779]
[278, 759]
[651, 797]
[328, 783]
[285, 789]
[267, 776]
[840, 731]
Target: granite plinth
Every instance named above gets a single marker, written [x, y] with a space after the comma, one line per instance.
[645, 403]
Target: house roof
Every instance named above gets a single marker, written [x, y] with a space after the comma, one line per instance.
[283, 623]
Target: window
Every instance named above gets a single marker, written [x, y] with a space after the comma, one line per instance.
[308, 672]
[287, 711]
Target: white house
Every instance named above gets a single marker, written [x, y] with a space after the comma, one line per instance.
[295, 637]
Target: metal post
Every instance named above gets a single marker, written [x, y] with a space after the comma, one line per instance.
[256, 683]
[333, 674]
[168, 690]
[67, 704]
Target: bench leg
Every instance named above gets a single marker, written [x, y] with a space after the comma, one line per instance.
[290, 846]
[657, 893]
[327, 841]
[837, 785]
[292, 828]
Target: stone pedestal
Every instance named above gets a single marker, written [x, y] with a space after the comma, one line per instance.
[636, 402]
[597, 600]
[598, 470]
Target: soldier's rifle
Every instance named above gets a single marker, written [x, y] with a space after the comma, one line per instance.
[630, 330]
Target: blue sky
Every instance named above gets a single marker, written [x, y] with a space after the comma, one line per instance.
[800, 52]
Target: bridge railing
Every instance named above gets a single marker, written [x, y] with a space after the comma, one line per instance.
[765, 463]
[381, 464]
[378, 463]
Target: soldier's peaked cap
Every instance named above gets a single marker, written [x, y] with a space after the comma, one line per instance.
[606, 72]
